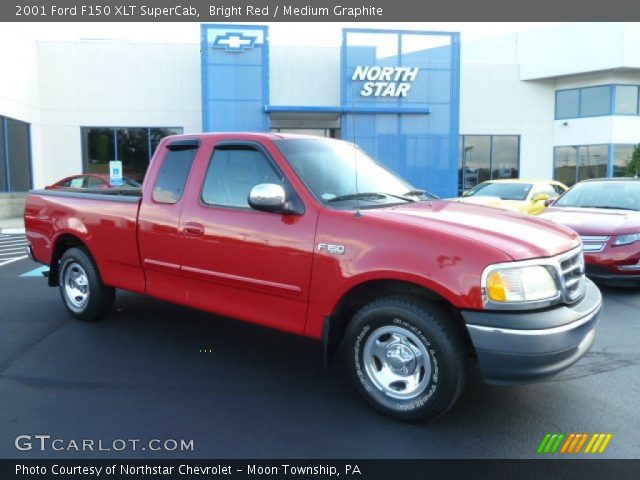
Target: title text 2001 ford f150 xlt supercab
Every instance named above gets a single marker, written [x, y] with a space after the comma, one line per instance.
[271, 229]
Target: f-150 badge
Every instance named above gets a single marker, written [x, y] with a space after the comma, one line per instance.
[331, 248]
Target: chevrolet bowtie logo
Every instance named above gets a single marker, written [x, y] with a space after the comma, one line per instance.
[234, 42]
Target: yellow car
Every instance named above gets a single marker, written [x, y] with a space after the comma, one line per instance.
[524, 196]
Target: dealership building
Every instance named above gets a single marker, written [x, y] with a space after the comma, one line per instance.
[559, 102]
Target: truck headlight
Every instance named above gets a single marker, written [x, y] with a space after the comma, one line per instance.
[626, 239]
[520, 284]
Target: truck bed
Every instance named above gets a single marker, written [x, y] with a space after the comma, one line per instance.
[105, 221]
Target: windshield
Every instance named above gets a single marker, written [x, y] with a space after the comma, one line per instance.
[505, 191]
[328, 167]
[614, 195]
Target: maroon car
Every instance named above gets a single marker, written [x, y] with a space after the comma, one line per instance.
[606, 214]
[91, 180]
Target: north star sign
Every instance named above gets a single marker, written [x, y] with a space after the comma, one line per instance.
[385, 81]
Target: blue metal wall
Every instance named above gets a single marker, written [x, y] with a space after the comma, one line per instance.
[235, 78]
[416, 136]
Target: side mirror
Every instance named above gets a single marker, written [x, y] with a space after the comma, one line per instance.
[270, 197]
[550, 201]
[540, 197]
[465, 193]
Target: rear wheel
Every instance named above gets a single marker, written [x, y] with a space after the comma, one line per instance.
[81, 287]
[406, 358]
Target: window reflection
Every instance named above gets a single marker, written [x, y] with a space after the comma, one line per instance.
[15, 155]
[487, 157]
[622, 155]
[581, 162]
[134, 147]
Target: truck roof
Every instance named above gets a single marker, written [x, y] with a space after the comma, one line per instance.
[244, 135]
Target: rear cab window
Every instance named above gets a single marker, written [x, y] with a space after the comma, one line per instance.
[173, 174]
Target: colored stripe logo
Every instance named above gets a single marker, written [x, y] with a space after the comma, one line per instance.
[574, 443]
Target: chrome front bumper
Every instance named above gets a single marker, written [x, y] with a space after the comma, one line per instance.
[545, 342]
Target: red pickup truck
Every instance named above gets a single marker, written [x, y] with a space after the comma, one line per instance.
[313, 237]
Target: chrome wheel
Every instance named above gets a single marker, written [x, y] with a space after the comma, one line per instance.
[76, 286]
[397, 362]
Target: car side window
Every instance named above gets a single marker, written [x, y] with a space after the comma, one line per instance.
[78, 182]
[559, 190]
[95, 182]
[545, 189]
[233, 172]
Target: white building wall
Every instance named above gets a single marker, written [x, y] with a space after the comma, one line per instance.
[574, 48]
[19, 95]
[508, 86]
[495, 102]
[598, 130]
[112, 84]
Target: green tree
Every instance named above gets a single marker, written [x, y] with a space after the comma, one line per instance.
[633, 169]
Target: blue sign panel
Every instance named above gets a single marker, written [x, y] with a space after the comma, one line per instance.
[235, 82]
[400, 95]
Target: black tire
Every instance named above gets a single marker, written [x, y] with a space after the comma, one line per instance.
[81, 287]
[387, 339]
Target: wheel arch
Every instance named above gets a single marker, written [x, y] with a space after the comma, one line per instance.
[62, 243]
[359, 295]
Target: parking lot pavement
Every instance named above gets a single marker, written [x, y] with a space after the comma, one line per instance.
[155, 370]
[12, 248]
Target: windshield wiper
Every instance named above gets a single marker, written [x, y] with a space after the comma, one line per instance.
[358, 196]
[370, 196]
[607, 207]
[414, 193]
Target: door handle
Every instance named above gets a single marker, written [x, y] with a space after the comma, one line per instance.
[192, 229]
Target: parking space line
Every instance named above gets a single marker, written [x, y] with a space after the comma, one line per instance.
[12, 260]
[12, 246]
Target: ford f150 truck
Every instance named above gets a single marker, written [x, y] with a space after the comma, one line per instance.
[313, 237]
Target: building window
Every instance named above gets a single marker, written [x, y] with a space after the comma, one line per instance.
[565, 159]
[134, 147]
[626, 100]
[622, 155]
[597, 101]
[568, 103]
[487, 157]
[580, 162]
[15, 155]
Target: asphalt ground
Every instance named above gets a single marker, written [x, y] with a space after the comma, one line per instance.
[153, 370]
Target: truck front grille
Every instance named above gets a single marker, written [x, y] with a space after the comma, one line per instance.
[572, 275]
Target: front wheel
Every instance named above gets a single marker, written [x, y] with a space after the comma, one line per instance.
[406, 358]
[81, 287]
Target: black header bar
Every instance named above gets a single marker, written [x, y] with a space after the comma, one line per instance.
[319, 469]
[263, 11]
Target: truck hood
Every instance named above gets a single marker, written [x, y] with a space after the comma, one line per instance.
[595, 221]
[519, 236]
